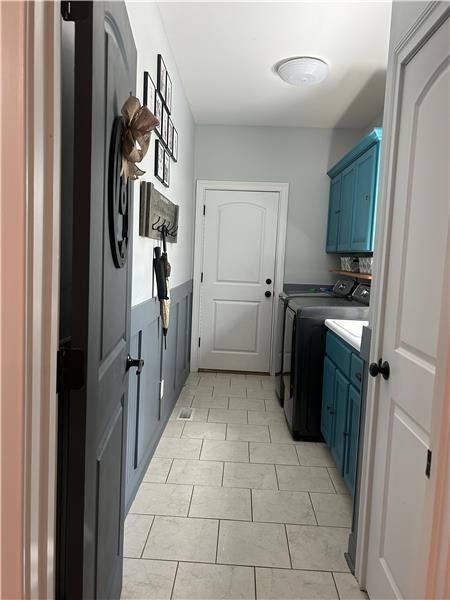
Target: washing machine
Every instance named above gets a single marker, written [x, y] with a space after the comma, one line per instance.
[304, 336]
[342, 289]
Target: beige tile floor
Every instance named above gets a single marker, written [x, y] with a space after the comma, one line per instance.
[232, 508]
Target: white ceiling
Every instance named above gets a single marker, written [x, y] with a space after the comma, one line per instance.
[225, 53]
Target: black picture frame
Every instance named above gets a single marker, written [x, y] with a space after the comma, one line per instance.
[149, 92]
[166, 180]
[159, 160]
[162, 77]
[158, 112]
[175, 145]
[170, 137]
[168, 92]
[165, 125]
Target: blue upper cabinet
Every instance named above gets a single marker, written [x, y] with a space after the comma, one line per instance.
[353, 196]
[333, 214]
[347, 201]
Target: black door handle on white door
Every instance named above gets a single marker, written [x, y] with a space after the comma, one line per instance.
[268, 294]
[381, 367]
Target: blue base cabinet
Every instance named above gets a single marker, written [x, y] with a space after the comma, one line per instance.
[341, 401]
[353, 197]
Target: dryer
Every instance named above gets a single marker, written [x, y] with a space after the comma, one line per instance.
[304, 335]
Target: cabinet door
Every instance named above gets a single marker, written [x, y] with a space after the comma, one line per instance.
[363, 218]
[340, 419]
[326, 420]
[345, 214]
[352, 437]
[333, 214]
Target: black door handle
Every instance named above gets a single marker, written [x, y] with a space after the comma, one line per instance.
[135, 362]
[268, 281]
[268, 294]
[380, 367]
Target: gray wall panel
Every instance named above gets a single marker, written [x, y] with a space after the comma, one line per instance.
[147, 416]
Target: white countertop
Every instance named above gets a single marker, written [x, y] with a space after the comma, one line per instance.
[349, 331]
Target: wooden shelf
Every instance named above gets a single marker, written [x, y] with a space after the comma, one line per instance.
[363, 276]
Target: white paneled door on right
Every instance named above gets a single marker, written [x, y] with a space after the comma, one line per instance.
[414, 301]
[236, 295]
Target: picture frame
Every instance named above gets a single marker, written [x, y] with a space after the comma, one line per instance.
[149, 92]
[168, 92]
[165, 125]
[159, 160]
[166, 180]
[158, 112]
[162, 77]
[175, 145]
[170, 137]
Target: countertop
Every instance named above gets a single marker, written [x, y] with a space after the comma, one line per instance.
[349, 331]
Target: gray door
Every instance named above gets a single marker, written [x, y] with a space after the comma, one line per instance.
[99, 70]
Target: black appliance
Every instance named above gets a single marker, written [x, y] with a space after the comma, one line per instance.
[342, 288]
[304, 334]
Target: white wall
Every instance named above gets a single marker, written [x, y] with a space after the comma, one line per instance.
[150, 39]
[298, 156]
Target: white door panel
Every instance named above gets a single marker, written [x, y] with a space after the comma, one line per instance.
[239, 255]
[420, 229]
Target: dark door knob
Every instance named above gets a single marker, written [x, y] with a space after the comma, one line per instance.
[135, 362]
[268, 294]
[381, 367]
[268, 281]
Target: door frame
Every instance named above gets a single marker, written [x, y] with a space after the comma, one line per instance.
[418, 33]
[29, 272]
[202, 186]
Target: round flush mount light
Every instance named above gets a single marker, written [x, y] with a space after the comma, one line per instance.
[304, 70]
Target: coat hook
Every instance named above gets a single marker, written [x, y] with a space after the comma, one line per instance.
[155, 223]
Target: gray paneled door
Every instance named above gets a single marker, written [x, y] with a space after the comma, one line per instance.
[92, 438]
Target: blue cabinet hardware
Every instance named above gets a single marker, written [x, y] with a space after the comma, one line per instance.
[342, 381]
[353, 196]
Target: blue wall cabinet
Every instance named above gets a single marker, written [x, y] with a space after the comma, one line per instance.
[363, 217]
[333, 214]
[328, 393]
[341, 405]
[351, 216]
[345, 214]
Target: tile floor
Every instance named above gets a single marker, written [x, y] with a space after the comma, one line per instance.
[231, 507]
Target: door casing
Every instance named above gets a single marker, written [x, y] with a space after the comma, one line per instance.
[202, 187]
[428, 21]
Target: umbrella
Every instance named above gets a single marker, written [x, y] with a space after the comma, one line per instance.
[162, 271]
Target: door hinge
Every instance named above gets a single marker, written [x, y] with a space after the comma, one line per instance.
[428, 467]
[75, 10]
[199, 342]
[201, 278]
[69, 369]
[204, 209]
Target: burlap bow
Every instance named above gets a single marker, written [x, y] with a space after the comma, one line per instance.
[139, 122]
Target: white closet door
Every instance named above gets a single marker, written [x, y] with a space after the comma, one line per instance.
[238, 260]
[415, 289]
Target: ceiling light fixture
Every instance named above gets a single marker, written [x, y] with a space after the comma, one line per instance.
[304, 70]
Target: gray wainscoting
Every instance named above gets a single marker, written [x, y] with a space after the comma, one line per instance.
[147, 413]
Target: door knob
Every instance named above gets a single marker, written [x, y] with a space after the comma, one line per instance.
[380, 367]
[268, 281]
[135, 362]
[268, 294]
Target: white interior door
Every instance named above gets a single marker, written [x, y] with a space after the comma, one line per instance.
[419, 191]
[240, 236]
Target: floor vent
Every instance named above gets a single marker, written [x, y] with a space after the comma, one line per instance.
[185, 414]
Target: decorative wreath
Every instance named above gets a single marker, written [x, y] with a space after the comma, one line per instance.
[139, 122]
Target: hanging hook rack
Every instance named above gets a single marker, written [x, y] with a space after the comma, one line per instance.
[157, 214]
